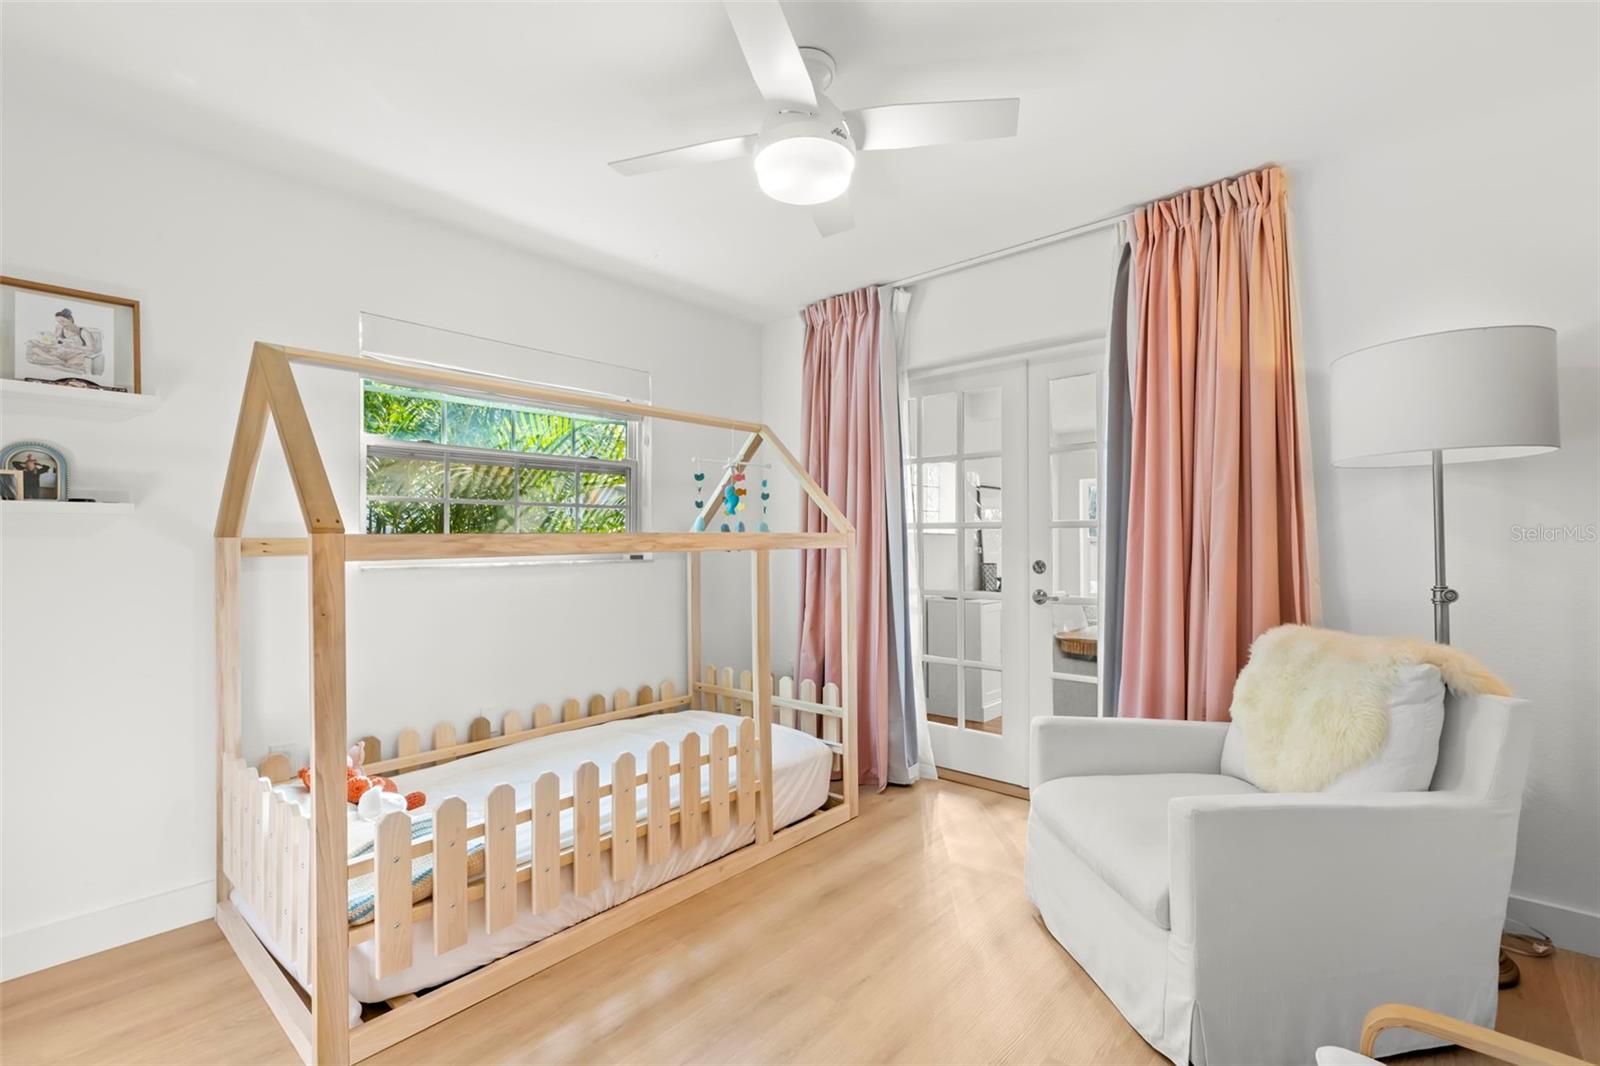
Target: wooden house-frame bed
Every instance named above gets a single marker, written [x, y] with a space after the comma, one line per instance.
[284, 868]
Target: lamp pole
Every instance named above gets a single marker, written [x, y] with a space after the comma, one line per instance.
[1443, 594]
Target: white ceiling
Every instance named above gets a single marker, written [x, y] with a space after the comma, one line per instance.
[502, 117]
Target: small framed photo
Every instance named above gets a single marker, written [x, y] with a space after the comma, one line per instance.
[10, 484]
[40, 470]
[71, 337]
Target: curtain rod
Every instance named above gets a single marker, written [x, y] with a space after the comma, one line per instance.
[1061, 235]
[1026, 246]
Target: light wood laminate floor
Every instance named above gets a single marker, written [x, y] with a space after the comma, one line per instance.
[902, 937]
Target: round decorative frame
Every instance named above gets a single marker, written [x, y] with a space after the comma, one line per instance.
[10, 451]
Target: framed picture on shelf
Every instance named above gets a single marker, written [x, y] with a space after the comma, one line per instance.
[70, 337]
[40, 468]
[10, 484]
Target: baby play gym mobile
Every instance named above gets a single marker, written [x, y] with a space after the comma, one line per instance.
[730, 495]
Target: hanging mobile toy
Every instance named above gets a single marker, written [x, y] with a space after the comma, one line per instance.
[731, 497]
[699, 501]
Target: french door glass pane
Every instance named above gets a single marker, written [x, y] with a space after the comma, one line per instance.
[1074, 639]
[937, 498]
[938, 422]
[1074, 485]
[983, 699]
[982, 629]
[1077, 561]
[939, 626]
[981, 421]
[1077, 699]
[982, 494]
[940, 569]
[1073, 409]
[983, 572]
[939, 680]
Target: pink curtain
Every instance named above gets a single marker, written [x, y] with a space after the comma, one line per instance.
[842, 446]
[1221, 537]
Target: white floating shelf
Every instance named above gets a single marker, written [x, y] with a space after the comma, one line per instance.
[102, 508]
[64, 399]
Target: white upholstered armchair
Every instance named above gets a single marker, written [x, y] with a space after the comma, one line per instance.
[1232, 926]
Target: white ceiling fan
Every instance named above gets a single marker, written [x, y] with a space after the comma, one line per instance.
[805, 151]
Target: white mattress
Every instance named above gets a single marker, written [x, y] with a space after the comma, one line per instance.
[801, 767]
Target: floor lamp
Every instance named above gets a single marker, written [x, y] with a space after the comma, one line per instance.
[1461, 396]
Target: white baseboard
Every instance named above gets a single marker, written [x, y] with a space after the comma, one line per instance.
[1570, 927]
[72, 938]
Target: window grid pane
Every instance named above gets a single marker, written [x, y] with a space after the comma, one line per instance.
[463, 466]
[406, 414]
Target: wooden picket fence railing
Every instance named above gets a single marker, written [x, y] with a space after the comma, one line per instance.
[268, 838]
[407, 752]
[266, 855]
[795, 706]
[734, 795]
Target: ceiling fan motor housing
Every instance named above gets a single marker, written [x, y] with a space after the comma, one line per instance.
[825, 120]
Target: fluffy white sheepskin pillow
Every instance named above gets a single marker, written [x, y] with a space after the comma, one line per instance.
[1406, 760]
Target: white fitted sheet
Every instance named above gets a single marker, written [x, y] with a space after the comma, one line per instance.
[801, 767]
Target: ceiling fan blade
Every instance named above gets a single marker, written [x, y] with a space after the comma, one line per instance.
[835, 216]
[770, 52]
[916, 125]
[706, 152]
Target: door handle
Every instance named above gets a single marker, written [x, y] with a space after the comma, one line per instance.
[1041, 597]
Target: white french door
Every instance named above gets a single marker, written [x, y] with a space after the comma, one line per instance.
[1002, 508]
[1065, 467]
[968, 524]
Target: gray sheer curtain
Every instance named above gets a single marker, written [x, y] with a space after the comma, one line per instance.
[906, 740]
[1114, 501]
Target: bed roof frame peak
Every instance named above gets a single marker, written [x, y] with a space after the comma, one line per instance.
[321, 1033]
[270, 393]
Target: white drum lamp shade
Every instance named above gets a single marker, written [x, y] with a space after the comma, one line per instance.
[1471, 394]
[1462, 396]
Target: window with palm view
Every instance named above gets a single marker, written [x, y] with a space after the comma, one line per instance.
[445, 463]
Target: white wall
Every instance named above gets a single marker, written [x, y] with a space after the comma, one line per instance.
[107, 718]
[1484, 220]
[1051, 295]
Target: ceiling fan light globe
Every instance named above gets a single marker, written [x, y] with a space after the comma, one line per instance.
[804, 170]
